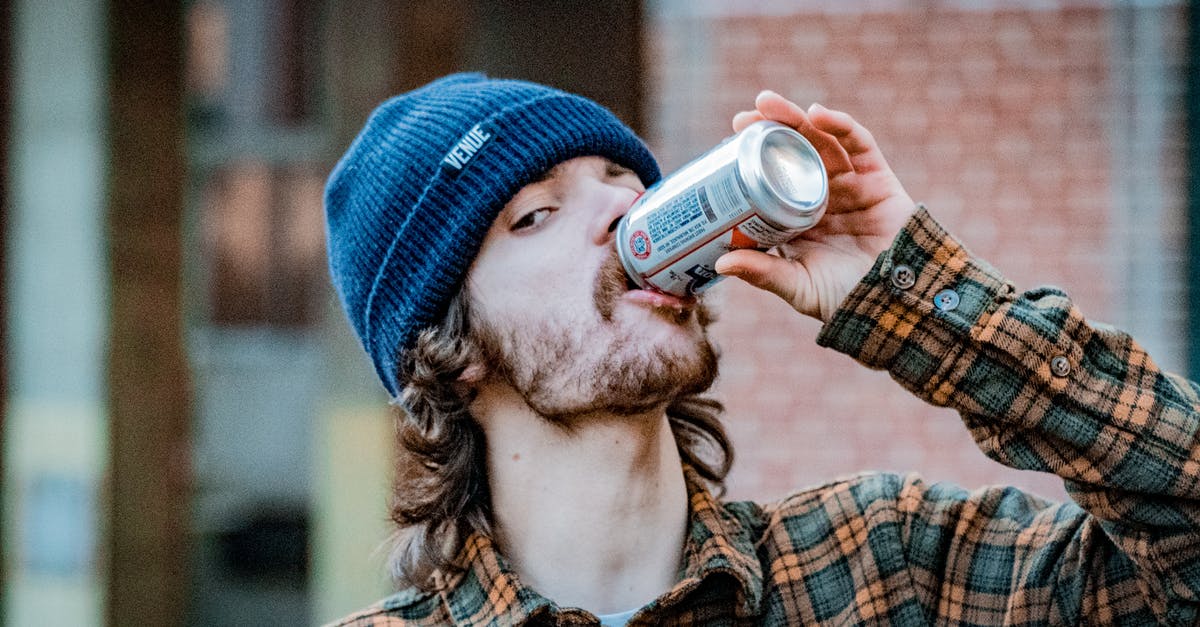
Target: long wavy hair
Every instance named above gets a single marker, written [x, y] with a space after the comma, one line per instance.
[441, 490]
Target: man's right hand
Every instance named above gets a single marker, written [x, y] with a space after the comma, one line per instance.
[867, 208]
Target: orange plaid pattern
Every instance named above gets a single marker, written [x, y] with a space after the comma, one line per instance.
[1039, 387]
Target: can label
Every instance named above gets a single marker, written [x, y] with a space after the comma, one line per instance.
[764, 233]
[674, 233]
[639, 245]
[682, 218]
[678, 243]
[694, 270]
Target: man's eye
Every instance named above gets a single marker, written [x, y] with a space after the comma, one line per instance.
[532, 219]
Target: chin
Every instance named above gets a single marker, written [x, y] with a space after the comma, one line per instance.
[637, 357]
[663, 334]
[671, 359]
[639, 370]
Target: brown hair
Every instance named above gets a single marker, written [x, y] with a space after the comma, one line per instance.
[441, 492]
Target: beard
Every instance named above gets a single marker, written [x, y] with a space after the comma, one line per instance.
[560, 371]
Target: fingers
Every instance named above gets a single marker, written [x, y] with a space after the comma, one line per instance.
[781, 109]
[768, 272]
[859, 144]
[773, 106]
[843, 143]
[745, 118]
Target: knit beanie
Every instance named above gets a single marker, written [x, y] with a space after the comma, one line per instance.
[408, 205]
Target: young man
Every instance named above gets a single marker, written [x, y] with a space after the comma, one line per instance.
[557, 459]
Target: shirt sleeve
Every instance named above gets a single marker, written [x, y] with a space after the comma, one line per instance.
[1040, 388]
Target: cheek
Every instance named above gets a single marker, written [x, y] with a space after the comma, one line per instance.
[504, 286]
[520, 290]
[533, 270]
[537, 284]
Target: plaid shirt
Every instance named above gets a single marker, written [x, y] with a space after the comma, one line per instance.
[1039, 387]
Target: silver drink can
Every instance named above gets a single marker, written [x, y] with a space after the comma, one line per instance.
[758, 188]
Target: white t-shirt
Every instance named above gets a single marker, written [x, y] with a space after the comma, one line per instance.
[616, 620]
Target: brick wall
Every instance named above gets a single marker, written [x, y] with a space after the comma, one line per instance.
[1004, 122]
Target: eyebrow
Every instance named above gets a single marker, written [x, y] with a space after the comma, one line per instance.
[613, 168]
[547, 176]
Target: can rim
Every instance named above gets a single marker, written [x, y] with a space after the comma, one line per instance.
[762, 191]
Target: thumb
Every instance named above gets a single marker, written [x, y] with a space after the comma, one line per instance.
[764, 271]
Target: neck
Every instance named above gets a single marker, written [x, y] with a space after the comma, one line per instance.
[591, 513]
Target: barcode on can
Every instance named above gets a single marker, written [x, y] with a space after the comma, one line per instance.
[678, 214]
[702, 196]
[729, 200]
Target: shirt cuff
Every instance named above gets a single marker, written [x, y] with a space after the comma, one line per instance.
[910, 312]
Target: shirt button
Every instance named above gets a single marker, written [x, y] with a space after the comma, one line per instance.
[903, 277]
[946, 300]
[1060, 366]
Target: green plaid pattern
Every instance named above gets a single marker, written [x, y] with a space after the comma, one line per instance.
[884, 549]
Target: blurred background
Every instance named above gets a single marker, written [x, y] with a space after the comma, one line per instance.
[191, 434]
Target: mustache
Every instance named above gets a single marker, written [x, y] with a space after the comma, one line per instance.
[610, 284]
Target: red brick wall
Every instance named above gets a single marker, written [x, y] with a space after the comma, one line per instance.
[998, 120]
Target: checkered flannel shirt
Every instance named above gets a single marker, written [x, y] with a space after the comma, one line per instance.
[1039, 388]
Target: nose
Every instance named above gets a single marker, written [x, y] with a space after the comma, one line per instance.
[615, 204]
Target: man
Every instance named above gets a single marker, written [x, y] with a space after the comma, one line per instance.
[558, 460]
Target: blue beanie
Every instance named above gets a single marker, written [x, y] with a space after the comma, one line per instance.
[409, 203]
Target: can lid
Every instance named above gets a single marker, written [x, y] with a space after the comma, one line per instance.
[790, 181]
[793, 169]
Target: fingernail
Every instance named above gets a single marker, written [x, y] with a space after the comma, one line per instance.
[726, 269]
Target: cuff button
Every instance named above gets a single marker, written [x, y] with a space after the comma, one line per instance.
[903, 277]
[946, 300]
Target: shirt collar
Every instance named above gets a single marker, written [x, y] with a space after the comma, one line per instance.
[719, 543]
[488, 591]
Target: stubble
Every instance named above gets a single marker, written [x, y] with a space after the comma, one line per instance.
[560, 374]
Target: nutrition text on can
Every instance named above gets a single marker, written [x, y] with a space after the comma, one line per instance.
[757, 189]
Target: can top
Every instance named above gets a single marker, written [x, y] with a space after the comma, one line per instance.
[784, 171]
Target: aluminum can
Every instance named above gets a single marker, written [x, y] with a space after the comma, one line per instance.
[756, 189]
